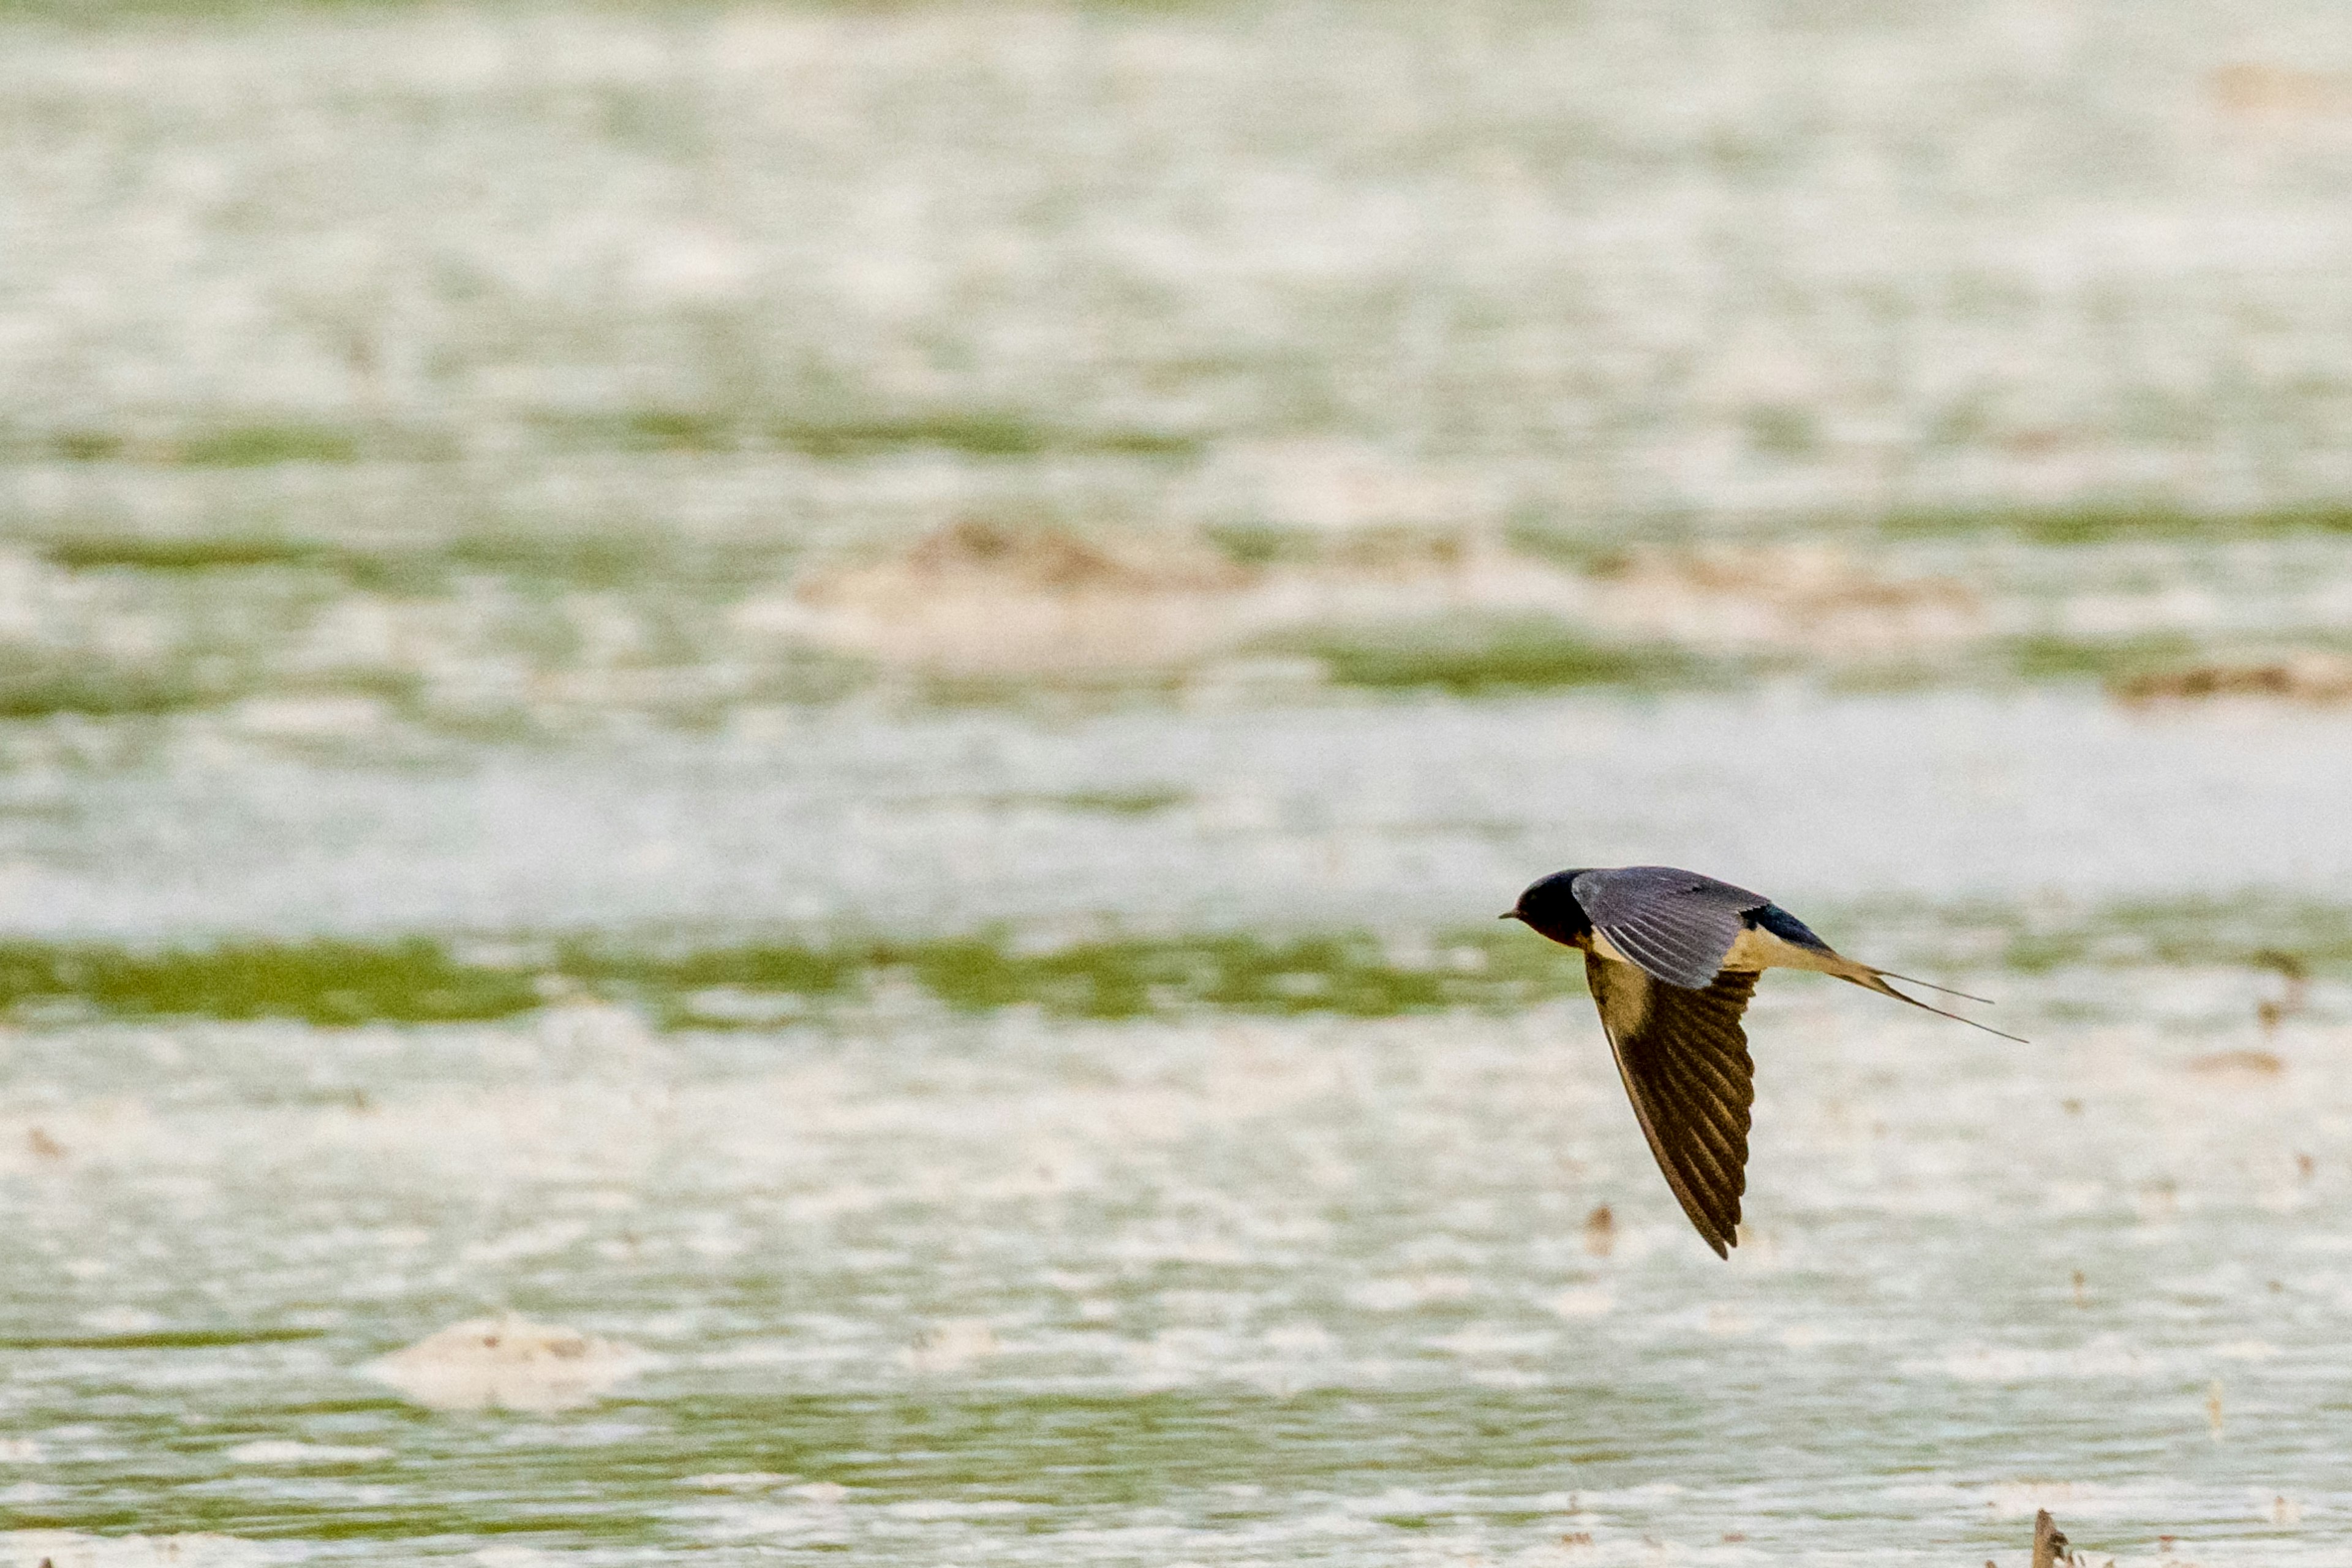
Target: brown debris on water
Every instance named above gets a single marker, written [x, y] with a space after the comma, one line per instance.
[2249, 1065]
[986, 597]
[2248, 90]
[2310, 676]
[1397, 550]
[1812, 597]
[2272, 1011]
[2050, 1547]
[1600, 1232]
[1052, 560]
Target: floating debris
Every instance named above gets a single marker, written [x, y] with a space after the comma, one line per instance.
[2238, 1065]
[2272, 1011]
[983, 597]
[2250, 90]
[1600, 1232]
[1054, 559]
[945, 1347]
[2050, 1546]
[506, 1363]
[2316, 677]
[1813, 598]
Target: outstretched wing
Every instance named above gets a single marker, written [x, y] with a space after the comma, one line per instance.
[1677, 925]
[1684, 1059]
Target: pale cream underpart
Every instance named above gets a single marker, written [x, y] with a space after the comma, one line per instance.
[1754, 948]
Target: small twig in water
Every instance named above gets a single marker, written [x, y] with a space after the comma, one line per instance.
[2049, 1541]
[2297, 976]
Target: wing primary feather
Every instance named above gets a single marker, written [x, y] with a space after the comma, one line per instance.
[1684, 1059]
[1718, 1082]
[1710, 1123]
[1710, 1093]
[1697, 1159]
[1727, 1148]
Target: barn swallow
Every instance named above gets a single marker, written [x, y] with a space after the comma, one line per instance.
[1672, 958]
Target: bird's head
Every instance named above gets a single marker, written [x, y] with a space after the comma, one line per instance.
[1550, 907]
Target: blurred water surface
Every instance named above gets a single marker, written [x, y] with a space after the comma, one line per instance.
[835, 701]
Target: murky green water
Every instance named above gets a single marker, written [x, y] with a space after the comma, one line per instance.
[818, 713]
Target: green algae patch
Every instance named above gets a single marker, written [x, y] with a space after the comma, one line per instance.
[231, 445]
[977, 433]
[1348, 975]
[326, 983]
[751, 984]
[1113, 802]
[262, 446]
[1355, 974]
[2252, 933]
[968, 432]
[163, 1340]
[184, 552]
[607, 560]
[548, 558]
[2054, 657]
[735, 986]
[2118, 523]
[39, 688]
[1483, 655]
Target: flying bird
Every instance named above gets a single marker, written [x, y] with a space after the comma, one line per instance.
[1672, 958]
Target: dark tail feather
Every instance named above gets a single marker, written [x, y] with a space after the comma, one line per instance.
[1933, 987]
[1873, 982]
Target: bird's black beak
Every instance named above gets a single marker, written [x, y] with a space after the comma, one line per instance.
[1510, 915]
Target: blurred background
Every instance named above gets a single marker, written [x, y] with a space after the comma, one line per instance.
[792, 731]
